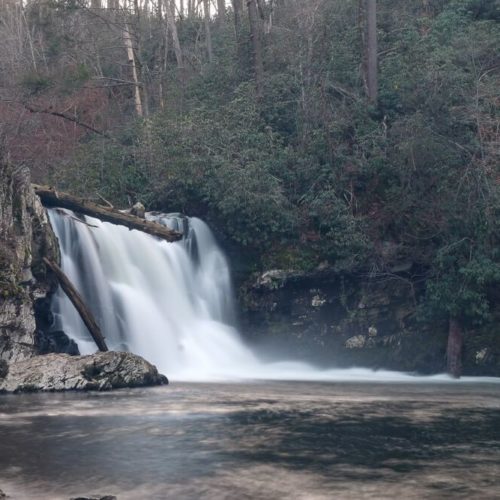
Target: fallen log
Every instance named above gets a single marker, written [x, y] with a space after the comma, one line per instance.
[79, 304]
[52, 198]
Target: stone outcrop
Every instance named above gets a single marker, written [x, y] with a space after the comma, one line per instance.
[348, 320]
[26, 237]
[62, 372]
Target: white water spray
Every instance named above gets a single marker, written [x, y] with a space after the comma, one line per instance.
[171, 303]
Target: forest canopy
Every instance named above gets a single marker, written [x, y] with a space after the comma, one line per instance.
[281, 123]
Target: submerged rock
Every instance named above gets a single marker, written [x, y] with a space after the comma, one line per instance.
[95, 497]
[61, 372]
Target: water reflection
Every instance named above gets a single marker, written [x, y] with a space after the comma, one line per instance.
[266, 441]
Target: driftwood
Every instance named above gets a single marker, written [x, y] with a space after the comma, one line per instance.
[52, 198]
[79, 304]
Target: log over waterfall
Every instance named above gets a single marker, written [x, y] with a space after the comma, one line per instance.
[52, 198]
[79, 304]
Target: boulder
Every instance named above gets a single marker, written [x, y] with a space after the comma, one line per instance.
[138, 210]
[61, 372]
[355, 342]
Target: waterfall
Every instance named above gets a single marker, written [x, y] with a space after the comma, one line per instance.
[172, 303]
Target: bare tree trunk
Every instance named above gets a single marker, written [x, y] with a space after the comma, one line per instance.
[208, 35]
[426, 8]
[77, 301]
[169, 7]
[256, 46]
[132, 61]
[454, 348]
[221, 12]
[371, 49]
[237, 10]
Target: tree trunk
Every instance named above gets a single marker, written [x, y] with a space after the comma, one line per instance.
[170, 14]
[190, 8]
[208, 35]
[53, 198]
[237, 10]
[77, 301]
[371, 49]
[256, 46]
[133, 63]
[454, 349]
[221, 12]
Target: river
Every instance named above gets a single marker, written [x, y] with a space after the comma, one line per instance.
[261, 440]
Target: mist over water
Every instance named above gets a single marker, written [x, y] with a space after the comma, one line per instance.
[171, 303]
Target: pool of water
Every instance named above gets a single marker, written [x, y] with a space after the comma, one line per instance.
[265, 440]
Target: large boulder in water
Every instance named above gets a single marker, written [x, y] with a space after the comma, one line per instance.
[61, 372]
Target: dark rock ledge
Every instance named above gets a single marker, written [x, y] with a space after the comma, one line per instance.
[96, 497]
[60, 372]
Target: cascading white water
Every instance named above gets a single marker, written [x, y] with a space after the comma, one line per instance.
[169, 302]
[172, 303]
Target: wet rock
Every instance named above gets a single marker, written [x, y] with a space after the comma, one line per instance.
[4, 368]
[138, 210]
[317, 301]
[56, 341]
[95, 497]
[100, 371]
[372, 331]
[272, 279]
[355, 342]
[2, 494]
[26, 237]
[482, 356]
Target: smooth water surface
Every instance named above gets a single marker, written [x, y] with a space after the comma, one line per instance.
[279, 440]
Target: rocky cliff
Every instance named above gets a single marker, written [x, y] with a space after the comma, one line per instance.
[26, 236]
[348, 320]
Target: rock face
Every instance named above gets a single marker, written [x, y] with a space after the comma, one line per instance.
[61, 372]
[26, 237]
[347, 320]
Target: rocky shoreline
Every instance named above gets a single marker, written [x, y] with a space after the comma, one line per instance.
[61, 372]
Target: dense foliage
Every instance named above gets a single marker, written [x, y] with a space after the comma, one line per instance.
[309, 172]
